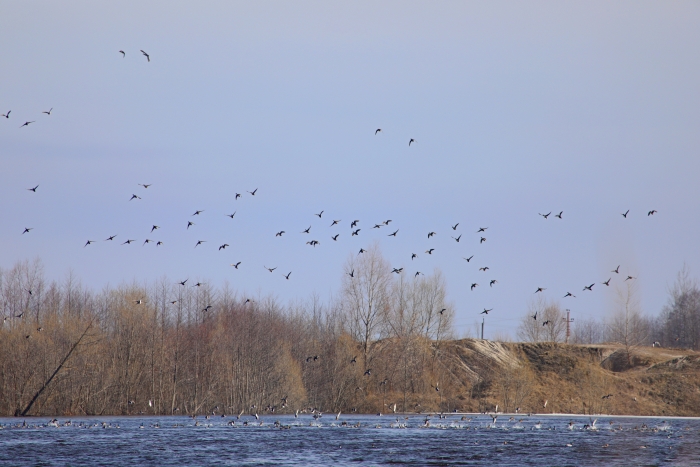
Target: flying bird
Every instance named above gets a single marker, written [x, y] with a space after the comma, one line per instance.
[280, 233]
[145, 185]
[430, 234]
[27, 123]
[356, 232]
[468, 259]
[196, 213]
[334, 223]
[483, 239]
[629, 278]
[335, 237]
[377, 131]
[413, 255]
[287, 276]
[540, 289]
[354, 223]
[269, 269]
[7, 115]
[231, 215]
[485, 312]
[146, 241]
[351, 273]
[307, 230]
[134, 197]
[235, 265]
[27, 229]
[361, 251]
[111, 237]
[189, 223]
[238, 195]
[146, 55]
[418, 273]
[493, 281]
[386, 222]
[33, 189]
[253, 192]
[393, 234]
[155, 227]
[474, 285]
[128, 242]
[559, 215]
[88, 242]
[454, 227]
[652, 212]
[589, 287]
[49, 111]
[123, 53]
[183, 282]
[545, 215]
[430, 252]
[457, 238]
[319, 214]
[481, 229]
[625, 214]
[569, 294]
[616, 270]
[485, 268]
[411, 141]
[199, 242]
[223, 247]
[607, 282]
[397, 271]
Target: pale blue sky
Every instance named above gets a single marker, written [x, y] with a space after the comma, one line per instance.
[517, 108]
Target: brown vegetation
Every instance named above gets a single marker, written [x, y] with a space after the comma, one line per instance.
[385, 346]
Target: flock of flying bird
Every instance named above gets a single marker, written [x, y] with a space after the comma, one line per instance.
[355, 230]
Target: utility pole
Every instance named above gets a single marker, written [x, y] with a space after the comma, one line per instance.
[482, 328]
[568, 322]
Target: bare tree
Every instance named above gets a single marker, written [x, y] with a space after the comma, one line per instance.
[365, 289]
[588, 331]
[544, 321]
[627, 326]
[681, 316]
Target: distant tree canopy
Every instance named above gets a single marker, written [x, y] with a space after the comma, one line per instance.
[166, 348]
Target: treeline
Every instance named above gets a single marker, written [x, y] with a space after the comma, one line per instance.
[166, 348]
[676, 326]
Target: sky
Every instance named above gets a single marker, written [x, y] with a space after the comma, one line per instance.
[515, 108]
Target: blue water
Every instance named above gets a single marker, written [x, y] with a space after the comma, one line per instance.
[475, 440]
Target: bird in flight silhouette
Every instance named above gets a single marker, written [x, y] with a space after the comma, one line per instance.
[474, 285]
[607, 282]
[616, 270]
[652, 212]
[589, 287]
[199, 242]
[231, 215]
[559, 215]
[235, 265]
[545, 215]
[377, 131]
[253, 192]
[335, 237]
[148, 57]
[134, 197]
[430, 252]
[624, 214]
[468, 259]
[486, 312]
[269, 269]
[411, 141]
[27, 123]
[47, 112]
[88, 242]
[27, 229]
[7, 115]
[33, 189]
[287, 276]
[307, 230]
[393, 234]
[111, 237]
[319, 214]
[457, 238]
[123, 53]
[540, 289]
